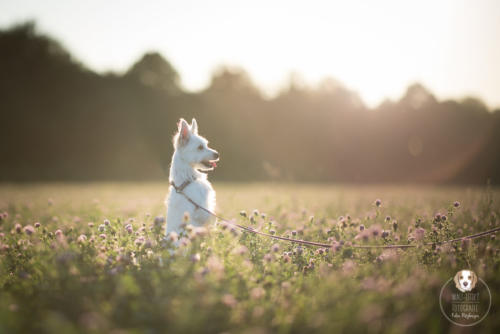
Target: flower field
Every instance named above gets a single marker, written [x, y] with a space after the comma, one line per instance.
[92, 258]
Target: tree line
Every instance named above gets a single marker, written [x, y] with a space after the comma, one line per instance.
[63, 121]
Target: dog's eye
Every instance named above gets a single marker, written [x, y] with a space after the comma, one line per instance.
[461, 277]
[200, 147]
[469, 277]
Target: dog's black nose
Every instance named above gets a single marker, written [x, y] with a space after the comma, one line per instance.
[216, 155]
[465, 283]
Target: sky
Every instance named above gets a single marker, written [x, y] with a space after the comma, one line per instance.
[376, 48]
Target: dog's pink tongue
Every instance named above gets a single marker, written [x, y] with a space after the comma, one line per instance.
[213, 163]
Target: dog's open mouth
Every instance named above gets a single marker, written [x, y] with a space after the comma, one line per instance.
[210, 163]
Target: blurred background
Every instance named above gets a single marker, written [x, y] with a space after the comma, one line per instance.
[351, 92]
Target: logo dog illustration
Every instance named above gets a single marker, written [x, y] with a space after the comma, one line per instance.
[465, 280]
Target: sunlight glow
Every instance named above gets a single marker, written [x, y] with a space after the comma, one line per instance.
[376, 48]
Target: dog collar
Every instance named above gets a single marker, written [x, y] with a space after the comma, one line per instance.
[180, 188]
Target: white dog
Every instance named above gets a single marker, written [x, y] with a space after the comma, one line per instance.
[465, 280]
[191, 156]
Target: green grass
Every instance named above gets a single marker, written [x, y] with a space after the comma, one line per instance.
[226, 281]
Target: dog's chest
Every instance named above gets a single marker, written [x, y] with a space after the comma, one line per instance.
[200, 191]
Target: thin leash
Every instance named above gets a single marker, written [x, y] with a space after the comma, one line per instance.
[180, 190]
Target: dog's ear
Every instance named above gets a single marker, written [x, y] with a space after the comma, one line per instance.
[474, 280]
[457, 283]
[194, 126]
[184, 132]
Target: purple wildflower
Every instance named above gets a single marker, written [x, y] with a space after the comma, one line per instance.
[419, 234]
[29, 230]
[129, 228]
[268, 257]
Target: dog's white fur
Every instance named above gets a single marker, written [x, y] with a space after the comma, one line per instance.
[465, 280]
[191, 156]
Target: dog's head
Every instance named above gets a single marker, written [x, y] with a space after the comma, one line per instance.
[193, 148]
[465, 280]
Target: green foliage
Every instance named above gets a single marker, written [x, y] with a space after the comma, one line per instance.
[98, 262]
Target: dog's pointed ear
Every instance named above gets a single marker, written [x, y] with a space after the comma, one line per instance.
[194, 126]
[184, 132]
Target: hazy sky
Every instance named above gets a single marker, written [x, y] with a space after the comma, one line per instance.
[376, 48]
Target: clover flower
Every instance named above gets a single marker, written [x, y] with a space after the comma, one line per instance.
[375, 230]
[82, 238]
[268, 258]
[29, 230]
[395, 225]
[159, 220]
[363, 236]
[419, 234]
[139, 241]
[129, 228]
[173, 236]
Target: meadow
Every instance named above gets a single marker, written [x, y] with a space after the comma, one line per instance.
[91, 258]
